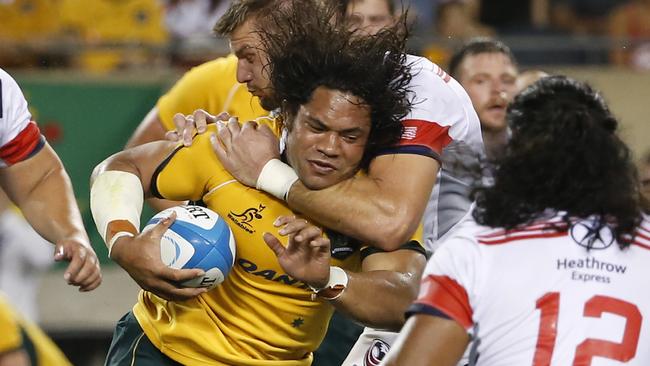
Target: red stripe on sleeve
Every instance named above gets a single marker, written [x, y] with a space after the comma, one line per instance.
[448, 296]
[425, 133]
[22, 145]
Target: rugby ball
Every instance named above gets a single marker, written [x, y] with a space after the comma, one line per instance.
[198, 238]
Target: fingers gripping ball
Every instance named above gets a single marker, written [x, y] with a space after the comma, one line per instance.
[198, 238]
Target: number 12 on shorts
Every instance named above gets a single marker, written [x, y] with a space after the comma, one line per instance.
[549, 306]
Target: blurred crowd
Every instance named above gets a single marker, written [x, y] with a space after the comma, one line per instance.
[106, 35]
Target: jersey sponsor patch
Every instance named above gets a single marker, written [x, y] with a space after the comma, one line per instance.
[27, 143]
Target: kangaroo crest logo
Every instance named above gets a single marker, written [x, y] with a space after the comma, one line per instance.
[244, 219]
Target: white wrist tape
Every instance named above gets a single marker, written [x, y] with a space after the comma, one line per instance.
[116, 195]
[276, 178]
[116, 236]
[336, 285]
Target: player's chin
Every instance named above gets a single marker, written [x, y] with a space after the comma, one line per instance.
[493, 121]
[317, 182]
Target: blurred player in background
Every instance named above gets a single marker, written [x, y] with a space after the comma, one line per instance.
[550, 267]
[343, 98]
[23, 344]
[35, 180]
[487, 69]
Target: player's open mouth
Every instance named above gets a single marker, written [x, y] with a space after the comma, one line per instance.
[322, 167]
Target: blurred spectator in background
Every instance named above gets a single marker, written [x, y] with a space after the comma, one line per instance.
[192, 18]
[514, 16]
[369, 16]
[644, 176]
[459, 19]
[456, 21]
[24, 344]
[629, 29]
[487, 69]
[423, 12]
[582, 16]
[118, 34]
[24, 258]
[189, 23]
[27, 29]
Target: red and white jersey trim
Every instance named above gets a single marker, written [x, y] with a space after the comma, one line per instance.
[544, 297]
[442, 113]
[448, 296]
[19, 135]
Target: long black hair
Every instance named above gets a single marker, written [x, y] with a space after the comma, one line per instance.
[307, 48]
[564, 156]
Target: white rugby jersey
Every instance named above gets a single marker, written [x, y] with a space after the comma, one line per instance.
[537, 296]
[20, 137]
[441, 122]
[442, 112]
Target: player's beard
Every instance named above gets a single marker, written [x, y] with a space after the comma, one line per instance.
[269, 102]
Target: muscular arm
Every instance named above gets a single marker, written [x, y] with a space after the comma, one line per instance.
[428, 340]
[141, 161]
[144, 265]
[394, 275]
[382, 209]
[42, 189]
[17, 357]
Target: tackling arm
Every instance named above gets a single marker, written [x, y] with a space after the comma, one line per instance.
[382, 209]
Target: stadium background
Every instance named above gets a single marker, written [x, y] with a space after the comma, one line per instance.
[91, 70]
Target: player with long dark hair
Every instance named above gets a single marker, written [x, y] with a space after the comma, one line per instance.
[557, 249]
[274, 306]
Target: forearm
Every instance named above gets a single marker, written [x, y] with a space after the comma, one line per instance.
[382, 209]
[51, 207]
[358, 207]
[42, 189]
[360, 301]
[119, 185]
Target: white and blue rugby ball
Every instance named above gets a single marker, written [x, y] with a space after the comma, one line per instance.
[199, 238]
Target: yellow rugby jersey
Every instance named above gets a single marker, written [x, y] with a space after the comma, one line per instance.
[211, 86]
[258, 315]
[19, 333]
